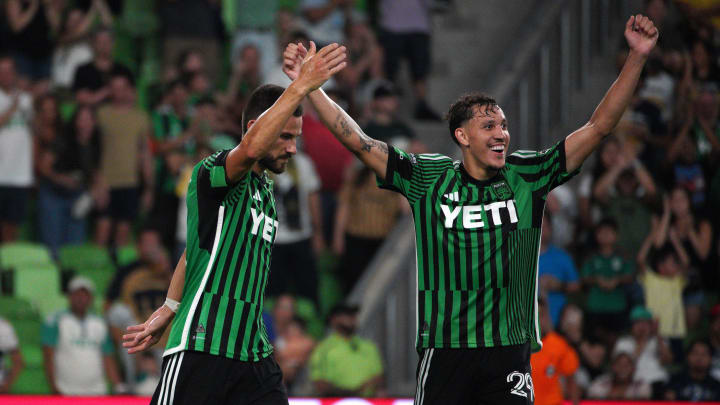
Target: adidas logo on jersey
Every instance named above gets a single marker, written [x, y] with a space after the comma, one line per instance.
[471, 215]
[454, 196]
[256, 196]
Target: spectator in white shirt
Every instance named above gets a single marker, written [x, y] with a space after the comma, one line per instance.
[9, 346]
[650, 351]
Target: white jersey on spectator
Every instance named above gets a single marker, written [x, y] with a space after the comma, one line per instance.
[307, 182]
[16, 147]
[647, 367]
[8, 344]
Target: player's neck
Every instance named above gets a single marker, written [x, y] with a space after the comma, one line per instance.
[257, 168]
[477, 170]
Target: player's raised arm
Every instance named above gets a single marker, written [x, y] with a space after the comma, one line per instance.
[316, 69]
[372, 152]
[641, 36]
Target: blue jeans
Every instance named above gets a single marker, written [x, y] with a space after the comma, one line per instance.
[57, 225]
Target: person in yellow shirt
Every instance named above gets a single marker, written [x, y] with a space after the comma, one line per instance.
[557, 360]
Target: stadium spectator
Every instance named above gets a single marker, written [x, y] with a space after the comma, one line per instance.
[556, 271]
[33, 24]
[191, 24]
[365, 216]
[663, 285]
[283, 313]
[365, 58]
[147, 243]
[405, 34]
[325, 19]
[299, 240]
[91, 83]
[553, 368]
[125, 131]
[16, 151]
[714, 340]
[344, 364]
[702, 123]
[619, 383]
[384, 123]
[695, 384]
[145, 288]
[590, 212]
[562, 204]
[9, 349]
[292, 350]
[66, 165]
[255, 25]
[73, 48]
[77, 349]
[687, 172]
[247, 74]
[649, 351]
[606, 274]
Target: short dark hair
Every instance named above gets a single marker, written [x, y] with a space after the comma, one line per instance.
[127, 75]
[464, 108]
[260, 100]
[699, 341]
[608, 222]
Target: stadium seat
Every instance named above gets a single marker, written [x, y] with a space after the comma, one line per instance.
[84, 256]
[305, 309]
[22, 254]
[12, 308]
[126, 255]
[38, 284]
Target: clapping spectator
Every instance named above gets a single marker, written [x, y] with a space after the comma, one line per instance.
[344, 364]
[557, 274]
[619, 383]
[650, 352]
[695, 383]
[125, 132]
[606, 273]
[9, 348]
[16, 151]
[77, 349]
[91, 83]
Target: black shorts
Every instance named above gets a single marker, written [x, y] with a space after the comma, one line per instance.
[13, 204]
[413, 46]
[124, 204]
[196, 378]
[494, 375]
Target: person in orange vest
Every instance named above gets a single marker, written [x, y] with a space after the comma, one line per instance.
[556, 359]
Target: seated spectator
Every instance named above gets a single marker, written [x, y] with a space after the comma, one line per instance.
[66, 167]
[283, 313]
[91, 83]
[255, 25]
[649, 351]
[344, 364]
[292, 350]
[384, 124]
[606, 274]
[664, 290]
[125, 133]
[16, 151]
[325, 19]
[553, 368]
[148, 375]
[592, 353]
[147, 243]
[74, 49]
[715, 341]
[365, 216]
[619, 383]
[557, 274]
[695, 383]
[405, 34]
[77, 349]
[299, 240]
[9, 349]
[33, 25]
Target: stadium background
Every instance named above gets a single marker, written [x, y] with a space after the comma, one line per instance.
[193, 63]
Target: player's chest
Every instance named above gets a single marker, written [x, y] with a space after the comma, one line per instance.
[261, 215]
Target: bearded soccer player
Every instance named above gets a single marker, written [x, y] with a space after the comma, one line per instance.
[477, 231]
[218, 351]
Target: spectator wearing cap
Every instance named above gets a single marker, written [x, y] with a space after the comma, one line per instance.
[384, 124]
[715, 341]
[650, 351]
[77, 350]
[553, 368]
[619, 383]
[344, 364]
[9, 348]
[695, 384]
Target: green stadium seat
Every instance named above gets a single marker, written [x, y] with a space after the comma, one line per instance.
[12, 308]
[22, 254]
[39, 284]
[84, 256]
[126, 255]
[31, 381]
[305, 309]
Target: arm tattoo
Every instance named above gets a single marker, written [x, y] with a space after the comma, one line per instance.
[344, 128]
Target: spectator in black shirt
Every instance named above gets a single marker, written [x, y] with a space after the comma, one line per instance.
[91, 79]
[695, 384]
[384, 124]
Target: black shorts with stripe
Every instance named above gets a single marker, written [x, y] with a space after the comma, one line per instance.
[198, 378]
[492, 375]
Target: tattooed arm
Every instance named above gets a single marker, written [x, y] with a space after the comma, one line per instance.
[372, 152]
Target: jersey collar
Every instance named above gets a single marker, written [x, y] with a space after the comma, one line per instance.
[480, 183]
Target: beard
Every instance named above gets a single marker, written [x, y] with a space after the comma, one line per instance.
[274, 164]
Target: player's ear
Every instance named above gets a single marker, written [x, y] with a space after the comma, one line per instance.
[462, 137]
[249, 124]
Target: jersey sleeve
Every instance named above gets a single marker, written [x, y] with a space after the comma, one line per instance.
[212, 180]
[49, 332]
[411, 175]
[544, 170]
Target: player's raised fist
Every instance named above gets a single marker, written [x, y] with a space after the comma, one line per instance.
[318, 66]
[641, 34]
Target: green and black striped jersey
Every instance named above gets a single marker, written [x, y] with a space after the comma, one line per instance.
[477, 245]
[230, 232]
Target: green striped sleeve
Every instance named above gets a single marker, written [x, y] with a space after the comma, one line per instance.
[412, 174]
[544, 170]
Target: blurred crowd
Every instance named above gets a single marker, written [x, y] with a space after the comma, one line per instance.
[106, 105]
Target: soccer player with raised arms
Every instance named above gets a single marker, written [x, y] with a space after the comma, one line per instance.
[477, 231]
[218, 351]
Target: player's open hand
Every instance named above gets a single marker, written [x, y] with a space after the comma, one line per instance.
[641, 34]
[318, 66]
[142, 337]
